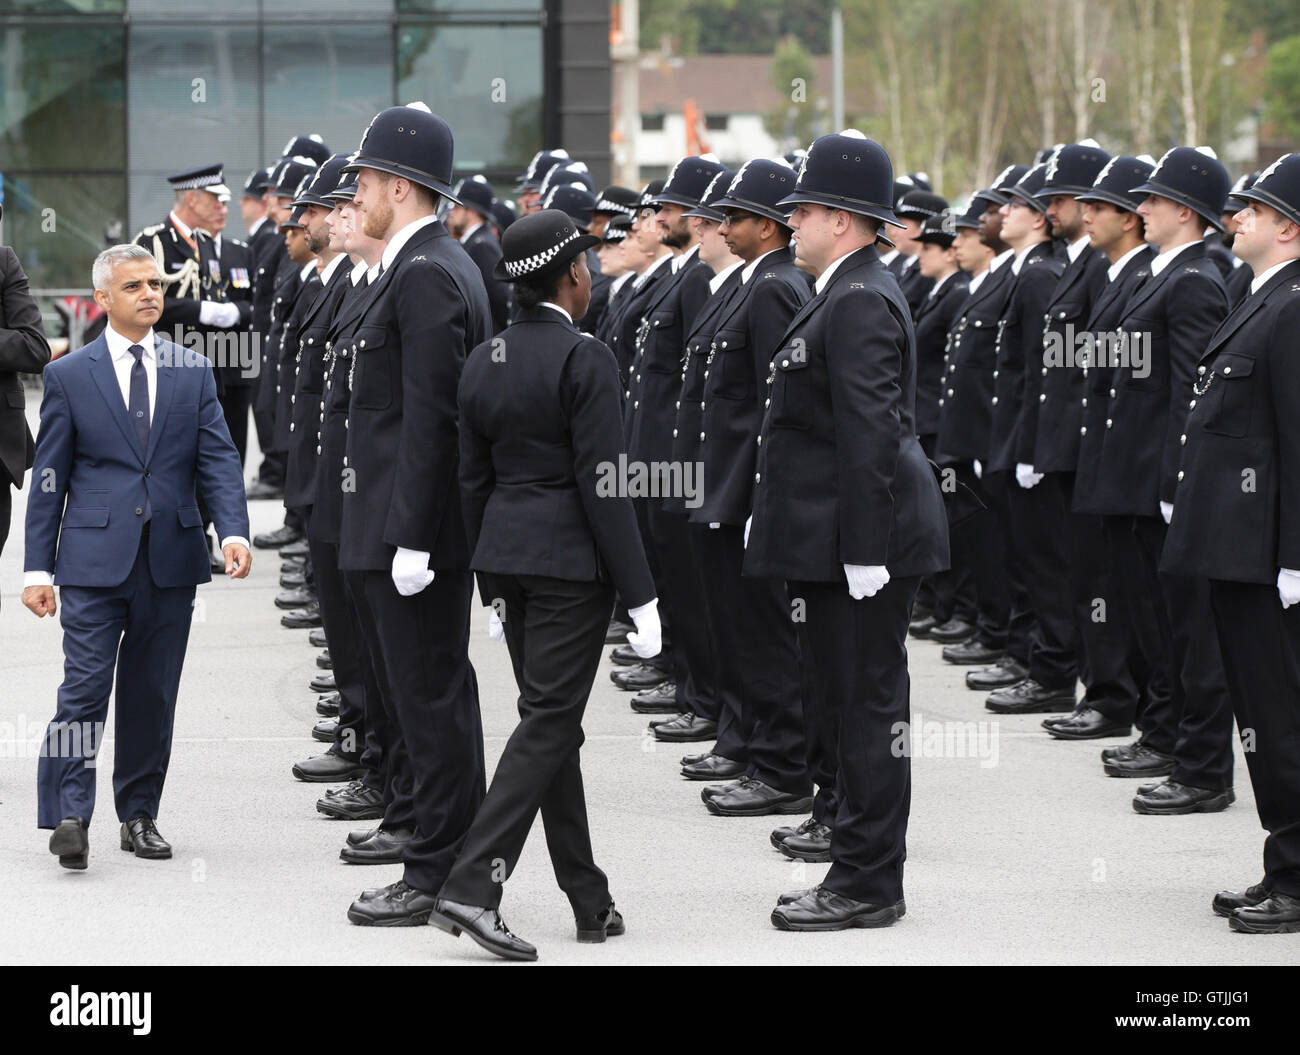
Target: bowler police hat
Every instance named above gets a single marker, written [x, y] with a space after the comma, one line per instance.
[688, 181]
[717, 189]
[1073, 169]
[410, 142]
[539, 243]
[757, 188]
[1187, 176]
[1115, 183]
[1278, 186]
[846, 170]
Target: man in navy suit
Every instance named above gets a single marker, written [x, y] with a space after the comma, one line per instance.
[130, 425]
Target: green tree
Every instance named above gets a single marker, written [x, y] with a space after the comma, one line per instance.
[795, 123]
[1283, 84]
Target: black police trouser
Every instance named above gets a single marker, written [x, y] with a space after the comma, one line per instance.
[387, 765]
[1041, 515]
[665, 661]
[860, 652]
[756, 634]
[235, 401]
[555, 630]
[693, 659]
[6, 508]
[273, 466]
[977, 546]
[998, 486]
[1110, 664]
[1261, 654]
[345, 658]
[421, 648]
[1201, 705]
[949, 594]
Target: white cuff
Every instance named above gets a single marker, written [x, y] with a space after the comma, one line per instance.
[37, 578]
[234, 538]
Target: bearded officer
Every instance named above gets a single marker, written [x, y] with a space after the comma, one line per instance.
[849, 514]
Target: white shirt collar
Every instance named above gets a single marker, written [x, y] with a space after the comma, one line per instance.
[188, 232]
[1259, 280]
[976, 281]
[1166, 257]
[1019, 260]
[1076, 247]
[910, 262]
[823, 280]
[552, 304]
[359, 270]
[888, 258]
[655, 265]
[467, 235]
[621, 281]
[403, 236]
[257, 225]
[372, 272]
[1001, 259]
[715, 283]
[216, 241]
[119, 347]
[938, 284]
[1113, 272]
[681, 260]
[748, 272]
[307, 269]
[328, 272]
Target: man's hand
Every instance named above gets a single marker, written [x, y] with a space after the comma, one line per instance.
[40, 600]
[238, 560]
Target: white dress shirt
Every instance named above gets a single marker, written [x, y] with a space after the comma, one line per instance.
[1113, 272]
[1258, 281]
[682, 259]
[938, 284]
[655, 265]
[556, 307]
[1076, 247]
[403, 236]
[715, 283]
[469, 234]
[751, 267]
[1166, 256]
[824, 278]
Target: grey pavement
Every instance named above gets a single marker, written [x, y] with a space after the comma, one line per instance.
[1020, 849]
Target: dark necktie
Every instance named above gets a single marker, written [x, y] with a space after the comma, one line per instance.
[138, 404]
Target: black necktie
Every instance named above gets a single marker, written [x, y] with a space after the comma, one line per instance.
[138, 404]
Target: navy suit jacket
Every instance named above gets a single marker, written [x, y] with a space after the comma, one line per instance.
[90, 482]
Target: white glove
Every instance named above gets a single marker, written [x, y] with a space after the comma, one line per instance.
[214, 313]
[979, 470]
[1288, 587]
[748, 520]
[411, 572]
[1167, 511]
[647, 639]
[865, 580]
[1025, 475]
[496, 628]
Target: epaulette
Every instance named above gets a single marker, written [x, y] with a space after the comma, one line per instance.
[152, 230]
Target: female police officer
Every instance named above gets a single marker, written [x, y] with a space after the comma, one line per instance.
[540, 433]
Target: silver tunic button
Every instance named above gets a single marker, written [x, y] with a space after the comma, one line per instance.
[674, 433]
[1112, 393]
[1180, 474]
[758, 477]
[1200, 370]
[950, 393]
[1227, 370]
[724, 344]
[1083, 431]
[1191, 405]
[701, 437]
[785, 362]
[1085, 401]
[1109, 422]
[995, 401]
[1042, 398]
[1044, 371]
[1182, 440]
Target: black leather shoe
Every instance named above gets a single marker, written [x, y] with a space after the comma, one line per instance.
[294, 579]
[794, 895]
[325, 730]
[296, 549]
[756, 799]
[690, 760]
[288, 564]
[1172, 798]
[662, 699]
[1228, 901]
[821, 909]
[355, 838]
[354, 802]
[302, 618]
[382, 848]
[328, 706]
[317, 638]
[1142, 763]
[921, 627]
[1086, 723]
[1029, 697]
[140, 836]
[291, 599]
[485, 926]
[919, 611]
[686, 728]
[71, 842]
[260, 490]
[624, 656]
[972, 652]
[953, 632]
[281, 536]
[812, 845]
[592, 930]
[617, 632]
[398, 905]
[638, 678]
[1121, 751]
[708, 793]
[1004, 672]
[713, 767]
[324, 661]
[328, 768]
[1277, 914]
[323, 682]
[780, 835]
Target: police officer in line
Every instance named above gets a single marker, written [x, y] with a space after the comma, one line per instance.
[238, 264]
[612, 201]
[965, 426]
[1051, 540]
[402, 532]
[503, 215]
[1049, 685]
[530, 180]
[1246, 540]
[914, 208]
[1237, 274]
[539, 415]
[848, 512]
[579, 204]
[649, 257]
[1120, 692]
[757, 643]
[469, 222]
[1166, 327]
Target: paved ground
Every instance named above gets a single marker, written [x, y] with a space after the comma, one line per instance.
[1021, 850]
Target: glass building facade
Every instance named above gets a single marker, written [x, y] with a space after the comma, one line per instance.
[101, 99]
